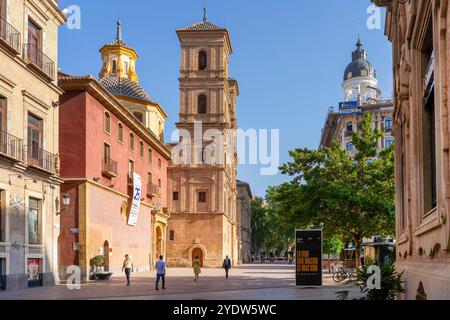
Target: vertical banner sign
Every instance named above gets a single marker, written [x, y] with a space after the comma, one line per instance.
[308, 253]
[136, 203]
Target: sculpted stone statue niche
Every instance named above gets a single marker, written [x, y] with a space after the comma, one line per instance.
[404, 73]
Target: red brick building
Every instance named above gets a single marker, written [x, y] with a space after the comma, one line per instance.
[102, 144]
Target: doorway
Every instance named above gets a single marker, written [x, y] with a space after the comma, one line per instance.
[158, 241]
[197, 252]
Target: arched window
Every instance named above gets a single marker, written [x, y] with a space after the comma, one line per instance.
[202, 104]
[202, 60]
[120, 133]
[131, 146]
[141, 149]
[107, 122]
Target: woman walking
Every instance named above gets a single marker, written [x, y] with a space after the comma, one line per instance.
[128, 268]
[196, 266]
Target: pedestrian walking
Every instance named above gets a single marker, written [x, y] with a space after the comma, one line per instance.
[226, 265]
[196, 265]
[160, 272]
[128, 268]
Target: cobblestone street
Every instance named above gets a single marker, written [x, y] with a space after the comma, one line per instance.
[247, 282]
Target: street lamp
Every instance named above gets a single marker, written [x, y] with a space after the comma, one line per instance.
[66, 202]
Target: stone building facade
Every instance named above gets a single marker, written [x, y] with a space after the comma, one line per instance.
[244, 217]
[202, 194]
[29, 184]
[420, 35]
[107, 151]
[361, 95]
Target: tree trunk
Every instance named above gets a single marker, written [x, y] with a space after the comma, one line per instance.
[357, 251]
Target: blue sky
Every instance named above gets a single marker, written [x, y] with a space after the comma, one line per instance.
[289, 58]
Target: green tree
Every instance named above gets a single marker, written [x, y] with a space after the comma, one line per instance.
[350, 196]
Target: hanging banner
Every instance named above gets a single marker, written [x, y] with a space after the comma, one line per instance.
[308, 255]
[136, 203]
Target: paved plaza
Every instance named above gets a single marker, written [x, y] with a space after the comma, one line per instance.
[266, 281]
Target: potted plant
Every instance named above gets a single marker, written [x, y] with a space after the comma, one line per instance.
[391, 283]
[97, 266]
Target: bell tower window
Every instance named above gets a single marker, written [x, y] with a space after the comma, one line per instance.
[114, 67]
[202, 60]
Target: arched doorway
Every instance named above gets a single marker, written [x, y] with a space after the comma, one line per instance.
[198, 252]
[106, 255]
[158, 241]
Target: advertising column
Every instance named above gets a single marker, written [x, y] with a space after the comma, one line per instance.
[308, 253]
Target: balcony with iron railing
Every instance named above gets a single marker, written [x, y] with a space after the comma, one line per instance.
[152, 190]
[9, 36]
[40, 159]
[36, 59]
[109, 168]
[11, 146]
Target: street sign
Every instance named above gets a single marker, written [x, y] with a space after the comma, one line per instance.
[308, 254]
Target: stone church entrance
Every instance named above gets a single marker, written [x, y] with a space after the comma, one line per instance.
[197, 252]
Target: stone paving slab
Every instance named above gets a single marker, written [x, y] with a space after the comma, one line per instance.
[247, 282]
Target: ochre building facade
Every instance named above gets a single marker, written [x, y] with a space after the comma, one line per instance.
[202, 194]
[420, 35]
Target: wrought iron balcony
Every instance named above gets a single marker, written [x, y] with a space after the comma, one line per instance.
[11, 146]
[34, 56]
[152, 190]
[109, 168]
[40, 159]
[9, 35]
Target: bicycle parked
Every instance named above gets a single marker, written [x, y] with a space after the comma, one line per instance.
[344, 273]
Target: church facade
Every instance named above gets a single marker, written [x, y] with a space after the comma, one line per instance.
[202, 194]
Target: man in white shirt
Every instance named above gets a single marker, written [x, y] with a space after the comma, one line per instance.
[160, 272]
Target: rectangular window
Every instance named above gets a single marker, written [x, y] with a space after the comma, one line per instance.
[3, 9]
[175, 196]
[150, 177]
[33, 219]
[389, 141]
[428, 123]
[202, 197]
[349, 126]
[125, 67]
[3, 115]
[172, 235]
[34, 41]
[429, 154]
[35, 126]
[106, 152]
[159, 183]
[403, 181]
[159, 163]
